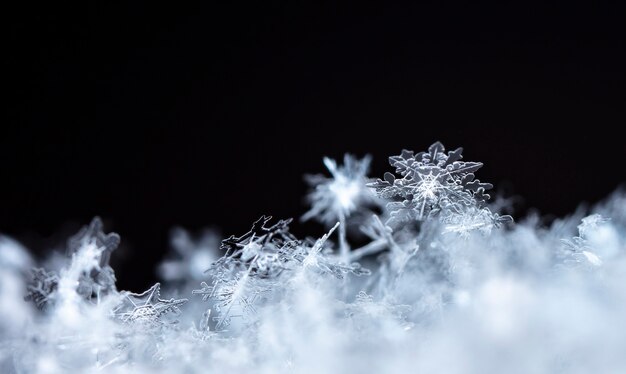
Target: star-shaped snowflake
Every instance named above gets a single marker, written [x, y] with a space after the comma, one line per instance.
[431, 182]
[344, 193]
[146, 307]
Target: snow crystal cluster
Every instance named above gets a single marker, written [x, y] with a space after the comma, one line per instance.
[418, 272]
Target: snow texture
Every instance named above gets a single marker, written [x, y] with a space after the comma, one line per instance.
[443, 283]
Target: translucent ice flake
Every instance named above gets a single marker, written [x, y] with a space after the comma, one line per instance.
[147, 307]
[433, 183]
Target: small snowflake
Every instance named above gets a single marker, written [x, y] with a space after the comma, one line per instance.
[94, 234]
[472, 220]
[42, 287]
[146, 307]
[263, 260]
[578, 250]
[99, 280]
[236, 297]
[333, 199]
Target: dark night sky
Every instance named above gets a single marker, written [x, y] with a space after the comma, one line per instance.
[152, 116]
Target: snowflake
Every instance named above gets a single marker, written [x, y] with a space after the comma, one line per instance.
[431, 183]
[257, 250]
[471, 220]
[336, 198]
[42, 287]
[256, 263]
[100, 280]
[382, 237]
[146, 307]
[260, 234]
[249, 267]
[313, 257]
[202, 331]
[233, 298]
[578, 250]
[95, 277]
[94, 234]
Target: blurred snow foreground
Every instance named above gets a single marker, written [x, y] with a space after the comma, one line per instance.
[440, 282]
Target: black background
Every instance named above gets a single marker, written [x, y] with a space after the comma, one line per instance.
[153, 116]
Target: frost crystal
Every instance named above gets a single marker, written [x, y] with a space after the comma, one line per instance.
[93, 234]
[258, 246]
[88, 274]
[336, 198]
[247, 269]
[472, 219]
[100, 279]
[147, 307]
[443, 283]
[42, 287]
[260, 262]
[579, 249]
[434, 183]
[312, 256]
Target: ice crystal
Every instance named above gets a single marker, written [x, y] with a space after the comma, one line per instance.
[42, 287]
[472, 219]
[247, 269]
[93, 234]
[335, 199]
[433, 183]
[260, 251]
[98, 280]
[255, 264]
[88, 274]
[580, 249]
[146, 308]
[438, 280]
[313, 256]
[401, 249]
[234, 298]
